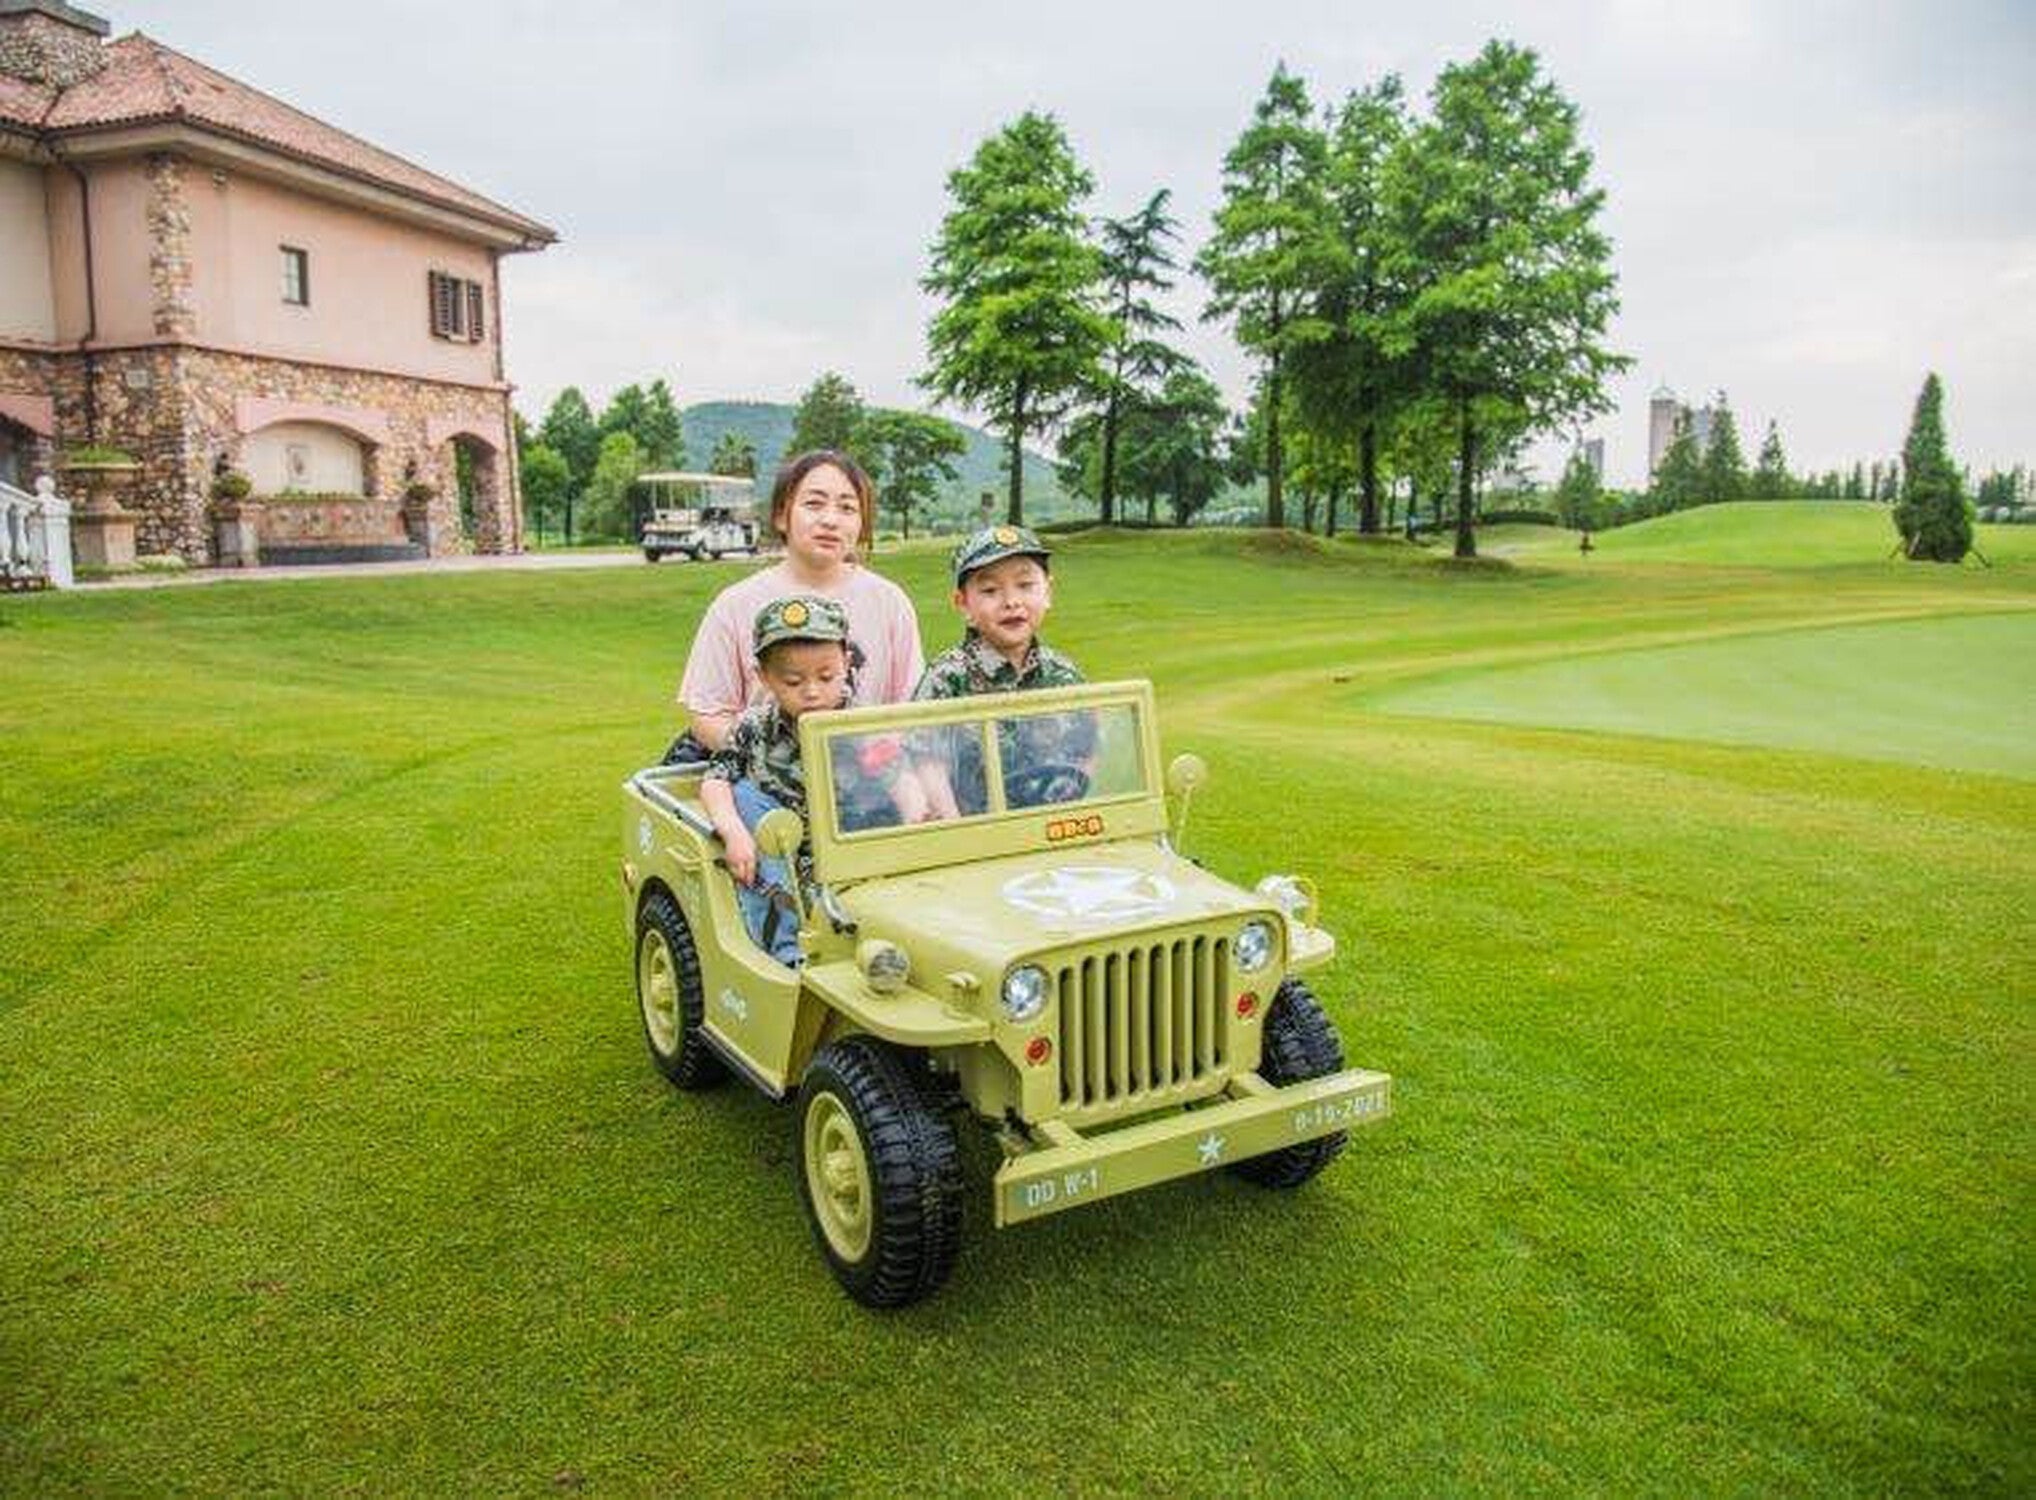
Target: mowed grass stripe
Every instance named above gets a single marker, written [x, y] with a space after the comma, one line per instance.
[332, 1160]
[1959, 694]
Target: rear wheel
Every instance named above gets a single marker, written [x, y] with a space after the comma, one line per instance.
[879, 1174]
[1300, 1043]
[669, 996]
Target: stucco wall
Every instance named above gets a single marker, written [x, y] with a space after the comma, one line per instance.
[368, 304]
[302, 456]
[27, 300]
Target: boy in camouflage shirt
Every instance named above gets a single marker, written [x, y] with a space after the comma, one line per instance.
[802, 656]
[1003, 588]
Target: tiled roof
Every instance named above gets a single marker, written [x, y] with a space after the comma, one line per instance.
[145, 82]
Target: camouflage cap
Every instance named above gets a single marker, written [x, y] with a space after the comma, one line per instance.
[993, 544]
[803, 617]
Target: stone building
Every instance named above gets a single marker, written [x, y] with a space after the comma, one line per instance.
[199, 275]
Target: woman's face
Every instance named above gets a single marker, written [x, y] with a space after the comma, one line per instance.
[823, 518]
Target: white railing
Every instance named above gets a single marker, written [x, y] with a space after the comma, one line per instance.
[35, 537]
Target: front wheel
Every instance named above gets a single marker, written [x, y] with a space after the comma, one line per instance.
[1300, 1043]
[879, 1174]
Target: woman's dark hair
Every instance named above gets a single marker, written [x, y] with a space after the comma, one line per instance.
[793, 471]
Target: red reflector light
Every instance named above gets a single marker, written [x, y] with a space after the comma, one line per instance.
[1247, 1005]
[1038, 1050]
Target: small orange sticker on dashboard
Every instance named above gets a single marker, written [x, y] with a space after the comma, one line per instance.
[1062, 829]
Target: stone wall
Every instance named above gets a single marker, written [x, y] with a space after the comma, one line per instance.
[175, 408]
[169, 248]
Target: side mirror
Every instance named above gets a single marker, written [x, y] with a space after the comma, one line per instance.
[1184, 774]
[780, 833]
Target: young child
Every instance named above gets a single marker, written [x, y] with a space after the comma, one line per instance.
[1003, 588]
[802, 657]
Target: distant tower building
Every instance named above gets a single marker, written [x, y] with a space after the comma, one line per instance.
[1594, 455]
[1662, 409]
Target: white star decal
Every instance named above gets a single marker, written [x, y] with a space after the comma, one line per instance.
[1211, 1147]
[1089, 891]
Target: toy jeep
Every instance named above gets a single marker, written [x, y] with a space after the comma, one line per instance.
[1036, 957]
[699, 515]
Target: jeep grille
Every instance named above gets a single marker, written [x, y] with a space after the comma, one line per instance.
[1142, 1023]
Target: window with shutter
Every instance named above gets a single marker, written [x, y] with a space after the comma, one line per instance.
[473, 312]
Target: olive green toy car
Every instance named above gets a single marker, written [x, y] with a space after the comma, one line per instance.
[1035, 956]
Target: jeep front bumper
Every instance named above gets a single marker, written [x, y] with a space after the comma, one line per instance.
[1252, 1119]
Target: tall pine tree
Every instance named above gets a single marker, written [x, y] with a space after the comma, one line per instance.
[1136, 257]
[1771, 478]
[1020, 333]
[1933, 515]
[1268, 233]
[1724, 462]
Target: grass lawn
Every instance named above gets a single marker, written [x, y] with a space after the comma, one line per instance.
[332, 1159]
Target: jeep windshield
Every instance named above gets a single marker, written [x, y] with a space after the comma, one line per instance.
[912, 785]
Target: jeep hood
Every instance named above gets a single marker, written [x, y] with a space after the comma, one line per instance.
[992, 913]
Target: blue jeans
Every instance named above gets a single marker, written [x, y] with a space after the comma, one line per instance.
[755, 905]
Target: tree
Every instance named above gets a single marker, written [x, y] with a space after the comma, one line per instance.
[1679, 478]
[1580, 497]
[1020, 334]
[1346, 375]
[546, 480]
[1186, 450]
[1855, 482]
[606, 512]
[1724, 461]
[568, 430]
[911, 455]
[1497, 227]
[1136, 259]
[1933, 515]
[1771, 478]
[661, 434]
[733, 454]
[1267, 238]
[828, 416]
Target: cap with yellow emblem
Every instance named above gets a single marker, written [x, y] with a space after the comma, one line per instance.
[992, 545]
[804, 617]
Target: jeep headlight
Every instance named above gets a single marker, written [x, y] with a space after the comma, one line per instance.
[1024, 992]
[1254, 947]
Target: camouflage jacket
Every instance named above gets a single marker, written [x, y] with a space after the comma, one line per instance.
[975, 666]
[762, 748]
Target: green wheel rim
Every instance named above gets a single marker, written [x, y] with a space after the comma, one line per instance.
[838, 1177]
[657, 988]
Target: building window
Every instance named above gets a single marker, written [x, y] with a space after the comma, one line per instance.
[296, 276]
[456, 308]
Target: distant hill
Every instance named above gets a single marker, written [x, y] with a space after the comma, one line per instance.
[768, 426]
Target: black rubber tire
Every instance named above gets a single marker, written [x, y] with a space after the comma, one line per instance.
[650, 555]
[685, 1058]
[913, 1168]
[1300, 1043]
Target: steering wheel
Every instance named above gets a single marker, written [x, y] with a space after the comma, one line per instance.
[1049, 781]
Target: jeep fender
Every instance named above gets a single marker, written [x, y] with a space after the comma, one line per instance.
[909, 1017]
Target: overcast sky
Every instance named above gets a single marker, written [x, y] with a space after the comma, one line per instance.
[1810, 204]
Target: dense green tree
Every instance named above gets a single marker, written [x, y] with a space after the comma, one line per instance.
[2002, 489]
[1933, 515]
[1347, 374]
[1679, 478]
[911, 455]
[1855, 482]
[606, 509]
[829, 415]
[661, 433]
[547, 480]
[1137, 254]
[1497, 222]
[733, 454]
[1268, 235]
[1020, 333]
[1580, 496]
[1770, 479]
[1724, 460]
[568, 429]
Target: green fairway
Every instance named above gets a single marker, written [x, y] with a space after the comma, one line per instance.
[1762, 534]
[332, 1159]
[1958, 694]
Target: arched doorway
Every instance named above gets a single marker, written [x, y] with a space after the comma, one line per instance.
[477, 487]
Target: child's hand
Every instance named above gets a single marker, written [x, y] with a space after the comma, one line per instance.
[739, 851]
[910, 798]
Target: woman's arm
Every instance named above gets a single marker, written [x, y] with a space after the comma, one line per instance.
[711, 730]
[713, 689]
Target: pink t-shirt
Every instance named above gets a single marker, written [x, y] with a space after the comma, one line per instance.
[721, 675]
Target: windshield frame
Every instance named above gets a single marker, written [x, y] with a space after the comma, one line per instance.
[1000, 830]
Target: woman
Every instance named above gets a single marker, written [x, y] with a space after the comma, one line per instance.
[822, 505]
